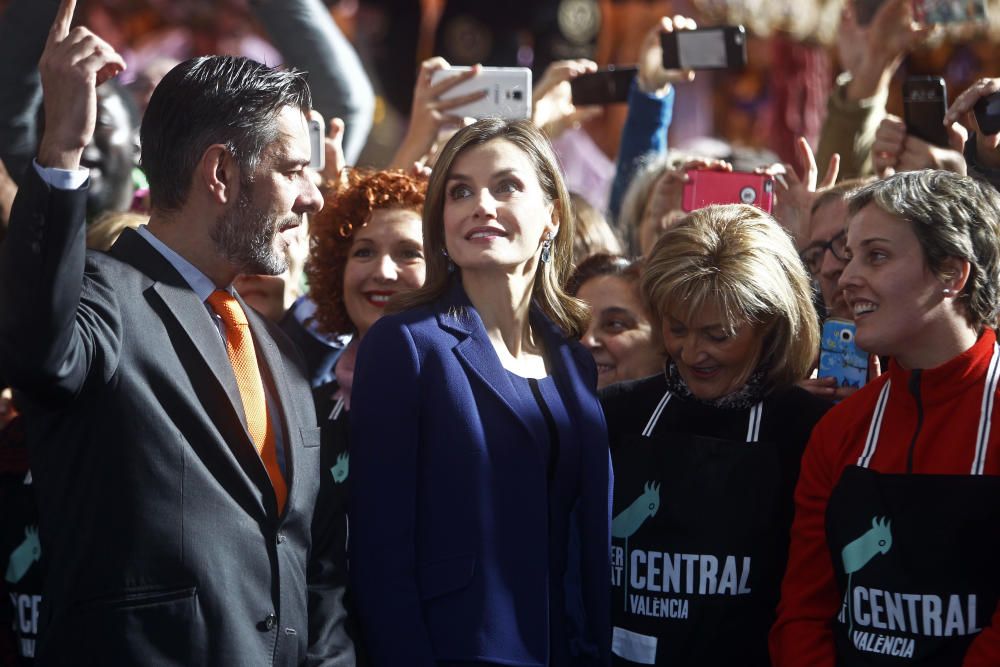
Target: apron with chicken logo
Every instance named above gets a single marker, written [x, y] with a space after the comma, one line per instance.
[915, 556]
[694, 545]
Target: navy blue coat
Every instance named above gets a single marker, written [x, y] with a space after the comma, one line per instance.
[459, 539]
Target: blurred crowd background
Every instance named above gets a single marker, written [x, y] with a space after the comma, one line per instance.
[795, 52]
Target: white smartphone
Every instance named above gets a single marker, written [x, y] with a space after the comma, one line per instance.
[508, 92]
[317, 158]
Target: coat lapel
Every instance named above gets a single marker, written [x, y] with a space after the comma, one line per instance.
[476, 352]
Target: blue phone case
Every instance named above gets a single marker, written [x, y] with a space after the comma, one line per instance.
[839, 357]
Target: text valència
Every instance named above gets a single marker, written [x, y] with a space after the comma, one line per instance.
[912, 614]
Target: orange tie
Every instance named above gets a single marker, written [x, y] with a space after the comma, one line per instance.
[239, 346]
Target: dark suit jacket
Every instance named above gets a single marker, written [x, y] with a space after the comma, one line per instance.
[157, 516]
[458, 537]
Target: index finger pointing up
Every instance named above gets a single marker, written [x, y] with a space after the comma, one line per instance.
[64, 18]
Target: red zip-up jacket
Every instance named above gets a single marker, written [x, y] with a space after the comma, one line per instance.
[951, 400]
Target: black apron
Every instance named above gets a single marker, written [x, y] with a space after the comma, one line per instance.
[21, 561]
[695, 548]
[916, 557]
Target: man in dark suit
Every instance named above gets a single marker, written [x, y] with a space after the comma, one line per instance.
[174, 449]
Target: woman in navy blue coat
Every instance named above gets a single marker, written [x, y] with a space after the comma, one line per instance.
[481, 479]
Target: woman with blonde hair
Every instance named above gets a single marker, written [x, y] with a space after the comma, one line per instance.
[706, 454]
[478, 433]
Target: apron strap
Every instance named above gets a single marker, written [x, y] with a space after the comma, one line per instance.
[875, 427]
[753, 428]
[985, 418]
[338, 407]
[655, 417]
[986, 413]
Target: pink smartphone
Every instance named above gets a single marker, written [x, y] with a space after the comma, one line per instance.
[728, 187]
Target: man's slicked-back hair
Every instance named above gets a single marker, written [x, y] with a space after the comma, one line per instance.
[213, 100]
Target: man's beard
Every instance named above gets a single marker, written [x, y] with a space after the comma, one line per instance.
[246, 236]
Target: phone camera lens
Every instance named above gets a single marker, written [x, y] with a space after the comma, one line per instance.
[517, 94]
[846, 336]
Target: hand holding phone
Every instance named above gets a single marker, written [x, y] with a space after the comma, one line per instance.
[552, 107]
[705, 187]
[983, 99]
[988, 113]
[508, 92]
[605, 86]
[925, 102]
[653, 78]
[724, 47]
[430, 113]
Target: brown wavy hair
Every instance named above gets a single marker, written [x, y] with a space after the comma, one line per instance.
[347, 208]
[569, 313]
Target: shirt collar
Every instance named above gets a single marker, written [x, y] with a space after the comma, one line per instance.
[954, 375]
[201, 284]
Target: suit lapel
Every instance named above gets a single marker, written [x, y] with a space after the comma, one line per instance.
[201, 351]
[191, 314]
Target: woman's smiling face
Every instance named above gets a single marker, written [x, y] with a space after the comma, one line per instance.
[495, 211]
[386, 257]
[711, 362]
[895, 298]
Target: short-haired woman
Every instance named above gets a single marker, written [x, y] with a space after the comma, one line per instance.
[478, 433]
[895, 543]
[707, 453]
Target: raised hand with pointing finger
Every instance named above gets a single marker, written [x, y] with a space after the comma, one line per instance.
[75, 61]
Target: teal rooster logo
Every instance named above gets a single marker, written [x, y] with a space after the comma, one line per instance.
[857, 554]
[23, 556]
[341, 468]
[632, 517]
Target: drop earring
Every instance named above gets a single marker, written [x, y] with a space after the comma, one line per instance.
[546, 248]
[451, 264]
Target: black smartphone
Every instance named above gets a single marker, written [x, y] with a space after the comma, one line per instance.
[925, 101]
[605, 86]
[988, 113]
[723, 47]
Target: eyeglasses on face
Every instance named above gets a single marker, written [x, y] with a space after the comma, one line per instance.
[812, 256]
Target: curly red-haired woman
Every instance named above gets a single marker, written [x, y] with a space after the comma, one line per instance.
[367, 244]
